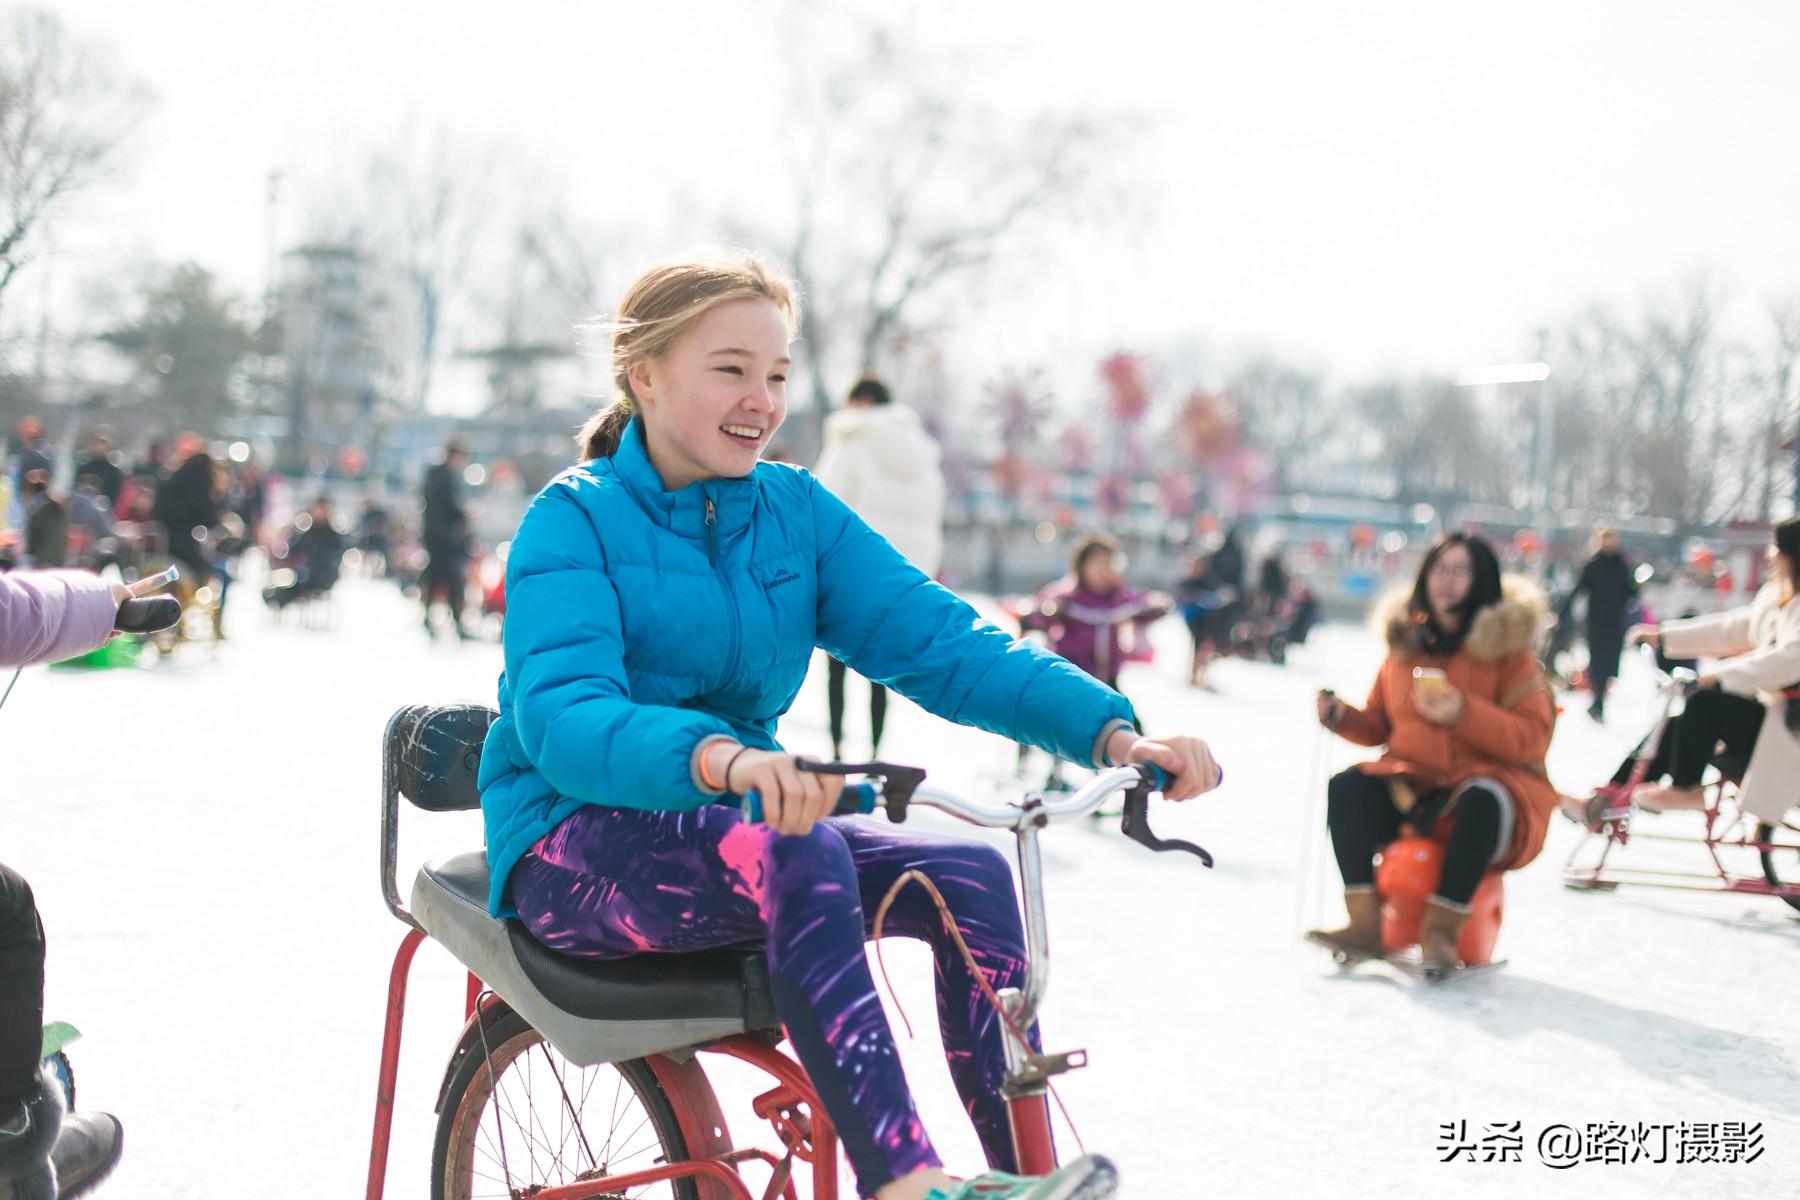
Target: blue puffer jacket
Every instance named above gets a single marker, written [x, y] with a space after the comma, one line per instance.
[641, 621]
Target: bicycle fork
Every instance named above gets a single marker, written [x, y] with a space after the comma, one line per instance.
[1028, 1072]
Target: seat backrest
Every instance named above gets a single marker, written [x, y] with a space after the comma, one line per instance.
[432, 754]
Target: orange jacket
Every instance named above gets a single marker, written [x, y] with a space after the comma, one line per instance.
[1508, 712]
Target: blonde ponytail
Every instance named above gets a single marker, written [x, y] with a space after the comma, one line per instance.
[600, 436]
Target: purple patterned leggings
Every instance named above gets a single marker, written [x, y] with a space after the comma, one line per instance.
[612, 882]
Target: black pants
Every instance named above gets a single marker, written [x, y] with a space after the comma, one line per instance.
[1361, 814]
[1605, 639]
[1691, 740]
[21, 986]
[446, 570]
[834, 687]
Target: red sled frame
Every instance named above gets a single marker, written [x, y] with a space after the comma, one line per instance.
[1725, 828]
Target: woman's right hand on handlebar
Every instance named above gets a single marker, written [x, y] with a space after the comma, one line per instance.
[1331, 710]
[1644, 635]
[792, 799]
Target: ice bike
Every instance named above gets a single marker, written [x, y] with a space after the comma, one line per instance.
[1610, 816]
[576, 1079]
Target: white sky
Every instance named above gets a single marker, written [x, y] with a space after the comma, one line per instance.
[1363, 185]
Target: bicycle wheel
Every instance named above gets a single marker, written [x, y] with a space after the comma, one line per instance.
[538, 1121]
[1781, 861]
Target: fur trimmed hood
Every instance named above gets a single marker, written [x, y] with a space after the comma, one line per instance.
[1499, 630]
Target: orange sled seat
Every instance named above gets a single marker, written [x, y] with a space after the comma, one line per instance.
[1407, 876]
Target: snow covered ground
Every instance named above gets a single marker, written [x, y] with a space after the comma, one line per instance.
[202, 836]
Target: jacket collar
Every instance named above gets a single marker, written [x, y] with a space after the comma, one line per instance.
[682, 512]
[1501, 629]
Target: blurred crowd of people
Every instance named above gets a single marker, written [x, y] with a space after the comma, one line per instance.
[189, 503]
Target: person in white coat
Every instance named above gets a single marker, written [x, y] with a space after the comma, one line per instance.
[1742, 703]
[880, 461]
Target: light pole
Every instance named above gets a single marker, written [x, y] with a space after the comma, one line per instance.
[1527, 372]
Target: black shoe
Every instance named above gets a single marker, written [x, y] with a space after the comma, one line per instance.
[86, 1152]
[28, 1130]
[1597, 711]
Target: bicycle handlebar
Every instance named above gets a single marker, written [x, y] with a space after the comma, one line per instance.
[896, 788]
[1680, 679]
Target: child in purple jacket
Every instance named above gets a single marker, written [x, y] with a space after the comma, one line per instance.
[1092, 618]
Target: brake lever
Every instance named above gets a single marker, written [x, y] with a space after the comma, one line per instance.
[898, 783]
[1136, 825]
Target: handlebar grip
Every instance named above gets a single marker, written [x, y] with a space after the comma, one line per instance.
[855, 798]
[147, 614]
[1159, 778]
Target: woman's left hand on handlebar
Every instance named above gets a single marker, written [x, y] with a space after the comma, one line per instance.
[1188, 760]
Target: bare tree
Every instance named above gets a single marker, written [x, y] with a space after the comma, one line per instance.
[534, 311]
[1593, 384]
[569, 256]
[1675, 351]
[64, 113]
[1285, 411]
[1777, 409]
[909, 191]
[1431, 437]
[429, 202]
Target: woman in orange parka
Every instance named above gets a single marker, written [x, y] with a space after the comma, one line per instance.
[1464, 714]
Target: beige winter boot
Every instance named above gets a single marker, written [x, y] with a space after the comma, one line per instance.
[1361, 938]
[1438, 934]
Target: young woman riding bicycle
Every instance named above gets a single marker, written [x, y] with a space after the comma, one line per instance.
[664, 600]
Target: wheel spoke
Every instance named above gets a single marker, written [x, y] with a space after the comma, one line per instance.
[533, 1122]
[562, 1090]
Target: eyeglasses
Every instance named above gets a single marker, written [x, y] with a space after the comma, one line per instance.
[1451, 571]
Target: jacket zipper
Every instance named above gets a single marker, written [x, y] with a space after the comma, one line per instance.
[712, 556]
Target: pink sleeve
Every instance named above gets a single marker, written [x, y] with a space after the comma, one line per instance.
[46, 616]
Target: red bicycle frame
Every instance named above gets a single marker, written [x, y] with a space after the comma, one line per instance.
[792, 1108]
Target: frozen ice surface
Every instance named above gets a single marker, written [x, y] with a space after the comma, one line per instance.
[202, 837]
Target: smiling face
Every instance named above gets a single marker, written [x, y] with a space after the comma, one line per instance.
[1448, 582]
[711, 404]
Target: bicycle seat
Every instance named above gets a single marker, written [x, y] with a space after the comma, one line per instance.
[593, 1011]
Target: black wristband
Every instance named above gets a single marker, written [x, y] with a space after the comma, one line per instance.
[741, 751]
